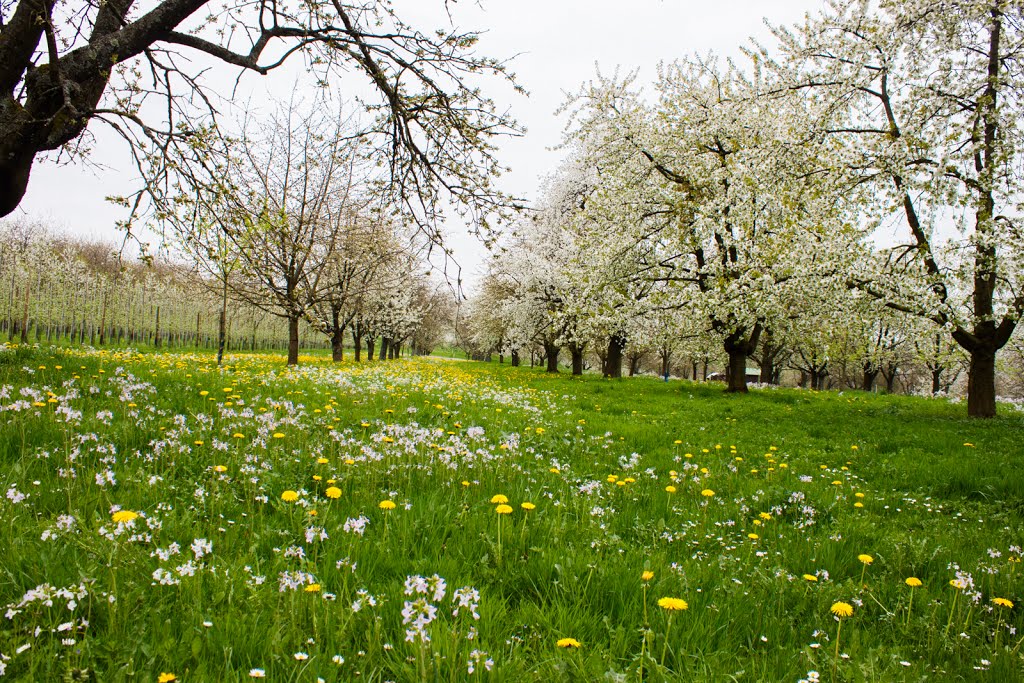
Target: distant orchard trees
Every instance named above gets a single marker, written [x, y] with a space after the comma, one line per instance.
[56, 289]
[731, 213]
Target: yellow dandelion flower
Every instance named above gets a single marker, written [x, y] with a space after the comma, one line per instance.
[1002, 602]
[568, 642]
[810, 577]
[333, 492]
[647, 576]
[312, 588]
[707, 493]
[166, 678]
[386, 505]
[866, 559]
[499, 499]
[670, 488]
[673, 604]
[289, 496]
[220, 468]
[322, 461]
[123, 516]
[503, 509]
[278, 435]
[528, 506]
[913, 582]
[753, 537]
[841, 609]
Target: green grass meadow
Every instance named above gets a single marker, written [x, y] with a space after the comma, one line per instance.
[165, 519]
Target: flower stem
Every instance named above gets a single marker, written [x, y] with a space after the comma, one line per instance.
[499, 539]
[668, 630]
[952, 609]
[835, 661]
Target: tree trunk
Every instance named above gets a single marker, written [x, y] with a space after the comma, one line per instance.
[103, 321]
[737, 373]
[17, 170]
[338, 343]
[24, 317]
[515, 359]
[576, 351]
[818, 375]
[634, 365]
[156, 329]
[890, 380]
[222, 333]
[293, 340]
[370, 343]
[613, 362]
[551, 352]
[981, 383]
[868, 379]
[936, 379]
[357, 341]
[739, 346]
[337, 336]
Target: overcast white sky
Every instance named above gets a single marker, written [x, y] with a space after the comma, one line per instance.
[558, 43]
